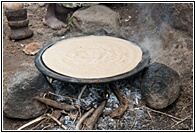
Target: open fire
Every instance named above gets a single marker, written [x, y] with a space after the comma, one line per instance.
[91, 96]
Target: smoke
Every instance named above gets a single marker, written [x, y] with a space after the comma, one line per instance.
[154, 45]
[165, 43]
[154, 33]
[150, 29]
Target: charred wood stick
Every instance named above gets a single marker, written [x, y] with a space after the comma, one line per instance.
[55, 104]
[92, 120]
[82, 91]
[79, 98]
[123, 103]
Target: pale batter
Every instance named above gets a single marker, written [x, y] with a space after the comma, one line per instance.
[92, 57]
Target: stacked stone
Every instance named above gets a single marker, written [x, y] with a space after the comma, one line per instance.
[18, 22]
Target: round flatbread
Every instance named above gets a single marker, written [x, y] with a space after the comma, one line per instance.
[92, 57]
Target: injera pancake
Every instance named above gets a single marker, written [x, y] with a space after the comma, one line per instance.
[90, 57]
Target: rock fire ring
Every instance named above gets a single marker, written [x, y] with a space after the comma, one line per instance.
[91, 59]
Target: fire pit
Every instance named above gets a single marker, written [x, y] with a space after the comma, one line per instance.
[91, 59]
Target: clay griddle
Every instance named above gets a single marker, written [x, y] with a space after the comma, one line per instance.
[91, 59]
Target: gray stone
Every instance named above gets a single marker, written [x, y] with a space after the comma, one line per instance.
[179, 16]
[160, 86]
[19, 99]
[61, 32]
[96, 17]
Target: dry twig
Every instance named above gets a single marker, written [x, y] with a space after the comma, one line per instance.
[56, 104]
[49, 125]
[65, 113]
[33, 128]
[156, 111]
[58, 122]
[32, 122]
[162, 113]
[149, 115]
[180, 121]
[134, 121]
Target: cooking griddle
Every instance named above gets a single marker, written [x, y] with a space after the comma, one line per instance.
[47, 71]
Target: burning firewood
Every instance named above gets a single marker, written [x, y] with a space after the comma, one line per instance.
[123, 103]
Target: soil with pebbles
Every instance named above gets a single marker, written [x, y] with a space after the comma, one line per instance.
[167, 45]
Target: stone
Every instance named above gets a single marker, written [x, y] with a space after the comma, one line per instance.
[178, 15]
[19, 99]
[32, 48]
[40, 31]
[94, 18]
[61, 32]
[160, 86]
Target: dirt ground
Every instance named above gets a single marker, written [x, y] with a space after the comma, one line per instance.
[180, 59]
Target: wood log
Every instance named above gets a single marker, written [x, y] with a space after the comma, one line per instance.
[56, 104]
[123, 103]
[78, 126]
[89, 123]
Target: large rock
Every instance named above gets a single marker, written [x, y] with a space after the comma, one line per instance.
[178, 15]
[160, 86]
[96, 17]
[19, 99]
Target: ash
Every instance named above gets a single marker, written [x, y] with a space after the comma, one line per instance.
[132, 119]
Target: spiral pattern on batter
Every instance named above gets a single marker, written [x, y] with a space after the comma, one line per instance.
[92, 57]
